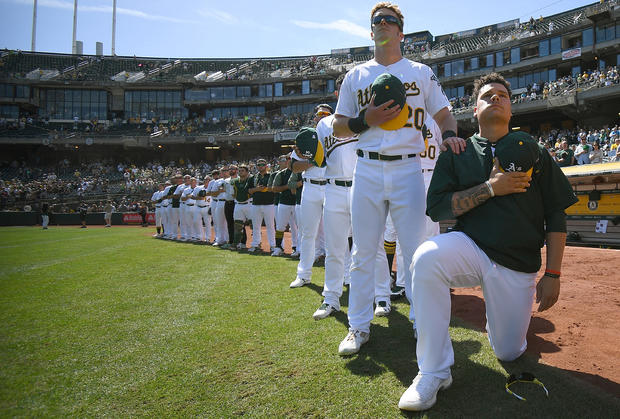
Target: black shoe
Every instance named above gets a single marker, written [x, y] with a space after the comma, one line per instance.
[397, 292]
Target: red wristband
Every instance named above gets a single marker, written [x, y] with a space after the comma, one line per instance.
[553, 272]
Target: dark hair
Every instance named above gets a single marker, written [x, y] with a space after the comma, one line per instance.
[339, 80]
[488, 79]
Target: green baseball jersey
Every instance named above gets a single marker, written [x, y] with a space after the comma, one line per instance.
[567, 155]
[276, 195]
[281, 179]
[241, 188]
[261, 198]
[510, 229]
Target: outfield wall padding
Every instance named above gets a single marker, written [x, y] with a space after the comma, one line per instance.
[34, 218]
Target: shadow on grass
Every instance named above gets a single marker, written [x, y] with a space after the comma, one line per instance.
[471, 309]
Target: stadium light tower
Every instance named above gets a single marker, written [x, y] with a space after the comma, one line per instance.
[73, 45]
[34, 26]
[114, 28]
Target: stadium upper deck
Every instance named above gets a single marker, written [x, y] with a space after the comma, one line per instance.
[63, 88]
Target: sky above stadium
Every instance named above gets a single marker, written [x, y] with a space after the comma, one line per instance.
[240, 28]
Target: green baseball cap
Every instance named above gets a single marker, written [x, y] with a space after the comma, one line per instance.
[385, 87]
[517, 153]
[307, 141]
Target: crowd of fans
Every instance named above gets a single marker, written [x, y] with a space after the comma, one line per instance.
[65, 186]
[564, 85]
[33, 125]
[128, 185]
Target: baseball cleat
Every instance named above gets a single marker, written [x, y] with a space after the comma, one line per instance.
[252, 250]
[241, 246]
[422, 393]
[299, 282]
[383, 309]
[277, 251]
[397, 292]
[295, 254]
[324, 311]
[353, 342]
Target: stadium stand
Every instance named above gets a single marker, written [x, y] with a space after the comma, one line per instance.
[89, 110]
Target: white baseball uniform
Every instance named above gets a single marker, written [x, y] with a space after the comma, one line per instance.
[156, 196]
[310, 214]
[187, 210]
[428, 160]
[381, 185]
[219, 218]
[340, 163]
[201, 215]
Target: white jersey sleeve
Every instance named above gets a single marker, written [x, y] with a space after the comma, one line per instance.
[347, 106]
[434, 96]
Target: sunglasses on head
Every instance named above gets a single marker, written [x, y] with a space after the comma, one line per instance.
[388, 19]
[524, 377]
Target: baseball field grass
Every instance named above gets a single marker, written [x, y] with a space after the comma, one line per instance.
[112, 322]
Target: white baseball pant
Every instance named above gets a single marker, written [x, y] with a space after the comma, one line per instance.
[286, 215]
[174, 222]
[378, 187]
[311, 212]
[158, 216]
[219, 221]
[266, 213]
[453, 260]
[337, 219]
[201, 214]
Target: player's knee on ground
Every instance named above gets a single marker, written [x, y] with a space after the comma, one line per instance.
[508, 354]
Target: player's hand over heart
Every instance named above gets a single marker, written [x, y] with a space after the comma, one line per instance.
[506, 183]
[377, 115]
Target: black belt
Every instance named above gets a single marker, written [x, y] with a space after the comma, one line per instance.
[427, 170]
[346, 183]
[316, 182]
[218, 200]
[202, 206]
[190, 205]
[165, 206]
[157, 206]
[373, 155]
[241, 203]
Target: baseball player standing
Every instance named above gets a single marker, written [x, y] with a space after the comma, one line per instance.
[508, 197]
[175, 210]
[219, 217]
[243, 207]
[157, 199]
[201, 211]
[388, 175]
[213, 192]
[166, 200]
[311, 211]
[262, 207]
[187, 208]
[285, 213]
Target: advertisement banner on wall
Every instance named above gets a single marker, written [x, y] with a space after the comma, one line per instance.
[133, 218]
[571, 53]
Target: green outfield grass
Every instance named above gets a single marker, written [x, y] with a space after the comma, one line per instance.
[111, 322]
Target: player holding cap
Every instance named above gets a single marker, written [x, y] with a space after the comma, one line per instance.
[508, 197]
[388, 114]
[201, 211]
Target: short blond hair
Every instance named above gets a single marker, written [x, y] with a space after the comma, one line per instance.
[391, 6]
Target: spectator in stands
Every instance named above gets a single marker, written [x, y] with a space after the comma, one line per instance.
[582, 152]
[565, 156]
[596, 155]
